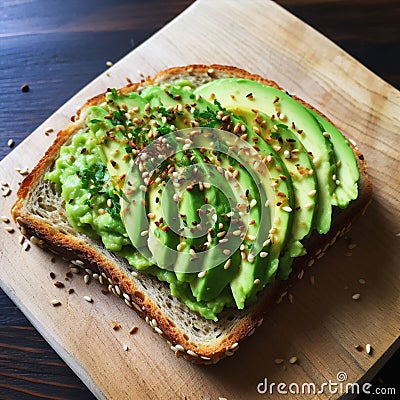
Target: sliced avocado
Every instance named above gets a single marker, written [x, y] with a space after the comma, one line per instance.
[283, 108]
[298, 163]
[347, 174]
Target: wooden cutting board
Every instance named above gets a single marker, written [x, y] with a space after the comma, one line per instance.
[322, 326]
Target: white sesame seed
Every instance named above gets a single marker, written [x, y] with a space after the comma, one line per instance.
[86, 279]
[300, 275]
[316, 160]
[75, 270]
[5, 219]
[263, 254]
[55, 302]
[250, 257]
[278, 361]
[26, 246]
[10, 143]
[327, 135]
[109, 63]
[257, 281]
[227, 252]
[144, 233]
[210, 71]
[286, 154]
[312, 279]
[251, 237]
[352, 246]
[267, 243]
[356, 296]
[368, 348]
[88, 299]
[287, 209]
[126, 347]
[158, 330]
[312, 193]
[191, 353]
[179, 347]
[227, 264]
[9, 229]
[201, 274]
[221, 234]
[361, 281]
[293, 360]
[308, 205]
[253, 203]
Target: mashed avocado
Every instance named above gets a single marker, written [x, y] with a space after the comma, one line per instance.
[285, 204]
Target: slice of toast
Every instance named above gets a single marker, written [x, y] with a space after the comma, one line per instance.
[39, 213]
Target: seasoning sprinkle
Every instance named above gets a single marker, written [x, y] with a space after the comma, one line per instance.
[356, 296]
[368, 348]
[293, 360]
[88, 299]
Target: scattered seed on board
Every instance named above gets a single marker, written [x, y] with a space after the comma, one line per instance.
[356, 296]
[86, 279]
[109, 63]
[9, 229]
[368, 348]
[88, 299]
[293, 360]
[10, 143]
[133, 330]
[361, 281]
[312, 279]
[5, 219]
[26, 246]
[278, 361]
[55, 302]
[126, 347]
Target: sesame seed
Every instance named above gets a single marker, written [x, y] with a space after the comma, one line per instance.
[267, 243]
[227, 252]
[88, 299]
[348, 254]
[191, 353]
[9, 229]
[237, 232]
[86, 279]
[356, 296]
[201, 274]
[109, 63]
[253, 203]
[55, 302]
[278, 361]
[352, 246]
[5, 219]
[151, 215]
[316, 160]
[308, 205]
[257, 281]
[327, 135]
[312, 279]
[368, 348]
[263, 254]
[228, 264]
[361, 281]
[221, 234]
[210, 71]
[26, 246]
[144, 233]
[250, 258]
[133, 330]
[282, 116]
[290, 297]
[6, 192]
[312, 193]
[10, 143]
[293, 360]
[286, 154]
[287, 209]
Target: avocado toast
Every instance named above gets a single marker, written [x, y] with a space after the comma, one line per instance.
[200, 242]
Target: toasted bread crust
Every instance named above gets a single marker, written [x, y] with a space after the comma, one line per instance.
[109, 267]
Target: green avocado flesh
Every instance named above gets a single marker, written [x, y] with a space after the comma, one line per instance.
[262, 192]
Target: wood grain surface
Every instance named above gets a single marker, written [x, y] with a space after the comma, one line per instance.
[58, 49]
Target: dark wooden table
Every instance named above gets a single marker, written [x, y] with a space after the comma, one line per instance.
[49, 46]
